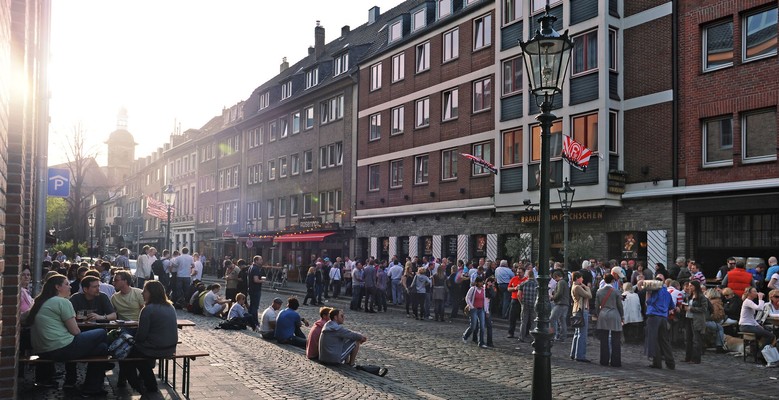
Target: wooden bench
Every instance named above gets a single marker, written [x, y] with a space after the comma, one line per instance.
[750, 344]
[184, 356]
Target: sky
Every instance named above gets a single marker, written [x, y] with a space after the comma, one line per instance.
[171, 62]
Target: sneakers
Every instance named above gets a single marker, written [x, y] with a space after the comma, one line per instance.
[483, 346]
[465, 341]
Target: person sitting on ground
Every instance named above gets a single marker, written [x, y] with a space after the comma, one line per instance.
[338, 345]
[156, 337]
[312, 343]
[213, 304]
[268, 320]
[288, 325]
[238, 312]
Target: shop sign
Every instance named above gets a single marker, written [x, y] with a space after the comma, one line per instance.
[309, 222]
[557, 216]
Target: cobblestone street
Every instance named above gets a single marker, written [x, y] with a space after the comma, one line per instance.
[427, 360]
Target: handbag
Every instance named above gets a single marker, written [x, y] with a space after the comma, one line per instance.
[413, 287]
[121, 347]
[577, 319]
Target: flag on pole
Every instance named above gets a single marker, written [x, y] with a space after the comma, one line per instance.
[157, 209]
[484, 163]
[576, 154]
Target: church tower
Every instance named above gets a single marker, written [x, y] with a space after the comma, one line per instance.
[121, 151]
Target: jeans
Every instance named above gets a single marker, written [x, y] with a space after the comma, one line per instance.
[419, 303]
[356, 298]
[139, 282]
[759, 332]
[505, 303]
[477, 323]
[318, 288]
[428, 303]
[439, 309]
[693, 342]
[397, 291]
[559, 321]
[454, 300]
[719, 338]
[370, 297]
[144, 369]
[528, 321]
[299, 340]
[381, 299]
[336, 288]
[254, 305]
[85, 344]
[180, 288]
[579, 344]
[514, 313]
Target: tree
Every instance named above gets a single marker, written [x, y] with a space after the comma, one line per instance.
[580, 247]
[56, 213]
[520, 247]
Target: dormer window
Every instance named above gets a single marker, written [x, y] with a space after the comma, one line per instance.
[341, 64]
[444, 8]
[419, 20]
[264, 100]
[312, 78]
[395, 31]
[286, 90]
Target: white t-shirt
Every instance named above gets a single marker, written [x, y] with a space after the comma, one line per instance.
[198, 270]
[267, 316]
[183, 263]
[210, 300]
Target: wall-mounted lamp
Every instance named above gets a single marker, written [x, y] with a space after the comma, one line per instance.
[432, 194]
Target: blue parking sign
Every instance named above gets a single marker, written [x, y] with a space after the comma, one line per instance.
[59, 182]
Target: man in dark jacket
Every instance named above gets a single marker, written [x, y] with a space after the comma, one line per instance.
[561, 297]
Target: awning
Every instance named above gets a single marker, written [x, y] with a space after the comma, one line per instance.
[303, 237]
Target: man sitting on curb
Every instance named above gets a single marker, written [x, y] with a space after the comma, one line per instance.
[268, 324]
[288, 325]
[337, 344]
[312, 344]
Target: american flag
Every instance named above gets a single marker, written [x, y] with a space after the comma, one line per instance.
[158, 209]
[484, 163]
[576, 154]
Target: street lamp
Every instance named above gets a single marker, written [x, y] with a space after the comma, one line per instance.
[546, 58]
[566, 201]
[249, 226]
[169, 197]
[91, 220]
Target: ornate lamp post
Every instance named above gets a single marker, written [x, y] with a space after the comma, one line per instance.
[546, 58]
[169, 197]
[91, 220]
[566, 202]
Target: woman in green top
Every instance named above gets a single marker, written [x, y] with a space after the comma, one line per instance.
[56, 335]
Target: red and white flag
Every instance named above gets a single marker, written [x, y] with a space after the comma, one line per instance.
[484, 163]
[158, 209]
[576, 154]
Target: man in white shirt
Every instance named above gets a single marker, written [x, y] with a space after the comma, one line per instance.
[143, 268]
[197, 268]
[268, 322]
[183, 265]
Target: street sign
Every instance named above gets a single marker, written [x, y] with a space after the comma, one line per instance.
[249, 244]
[59, 182]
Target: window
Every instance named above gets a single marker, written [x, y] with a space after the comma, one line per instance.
[273, 129]
[718, 141]
[286, 90]
[271, 170]
[482, 95]
[419, 20]
[483, 151]
[758, 130]
[451, 44]
[373, 177]
[312, 78]
[556, 143]
[449, 164]
[423, 57]
[395, 31]
[759, 35]
[512, 11]
[335, 154]
[374, 127]
[376, 76]
[341, 64]
[444, 8]
[294, 161]
[264, 100]
[282, 206]
[309, 113]
[308, 161]
[307, 204]
[512, 76]
[283, 167]
[293, 206]
[539, 5]
[397, 121]
[420, 169]
[295, 122]
[338, 200]
[396, 174]
[585, 53]
[482, 32]
[450, 104]
[612, 50]
[323, 157]
[260, 134]
[332, 109]
[271, 209]
[398, 67]
[423, 112]
[284, 127]
[585, 130]
[323, 201]
[512, 147]
[717, 46]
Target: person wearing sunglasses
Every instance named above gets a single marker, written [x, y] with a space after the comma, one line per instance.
[753, 302]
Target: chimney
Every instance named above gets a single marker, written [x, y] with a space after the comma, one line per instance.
[284, 64]
[319, 40]
[345, 30]
[310, 50]
[373, 14]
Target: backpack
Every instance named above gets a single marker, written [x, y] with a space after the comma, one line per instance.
[233, 324]
[197, 305]
[121, 347]
[158, 268]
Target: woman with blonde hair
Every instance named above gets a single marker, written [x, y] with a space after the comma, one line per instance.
[716, 316]
[405, 281]
[633, 320]
[420, 282]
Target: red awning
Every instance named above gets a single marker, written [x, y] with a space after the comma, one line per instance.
[303, 237]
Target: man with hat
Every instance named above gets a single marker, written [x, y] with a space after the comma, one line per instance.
[268, 324]
[618, 275]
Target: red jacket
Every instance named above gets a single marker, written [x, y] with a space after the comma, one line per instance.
[738, 280]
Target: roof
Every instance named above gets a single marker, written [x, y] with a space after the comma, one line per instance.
[122, 136]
